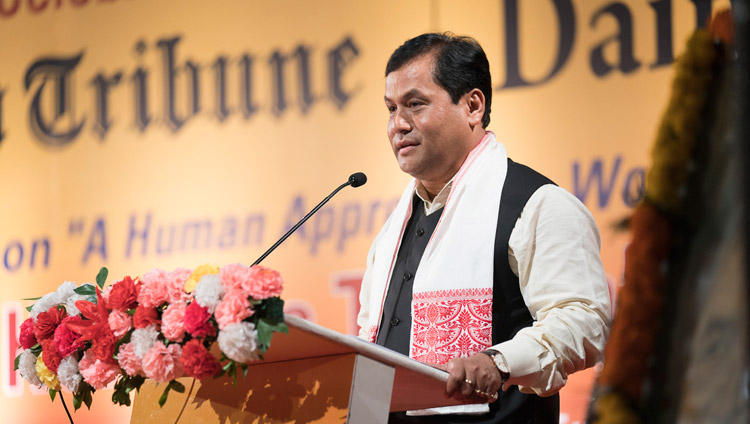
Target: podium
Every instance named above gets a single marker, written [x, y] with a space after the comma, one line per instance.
[310, 375]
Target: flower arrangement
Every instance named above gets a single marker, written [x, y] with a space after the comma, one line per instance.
[161, 326]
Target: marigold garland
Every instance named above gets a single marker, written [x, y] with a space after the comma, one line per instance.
[633, 335]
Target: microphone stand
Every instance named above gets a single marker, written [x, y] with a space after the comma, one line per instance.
[302, 221]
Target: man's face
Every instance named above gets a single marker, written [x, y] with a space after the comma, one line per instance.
[430, 135]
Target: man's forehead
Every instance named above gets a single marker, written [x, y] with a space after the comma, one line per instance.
[411, 78]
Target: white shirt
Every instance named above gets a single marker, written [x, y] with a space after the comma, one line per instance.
[554, 251]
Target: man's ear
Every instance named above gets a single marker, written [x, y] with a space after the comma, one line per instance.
[475, 106]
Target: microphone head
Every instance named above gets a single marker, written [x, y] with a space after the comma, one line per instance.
[357, 179]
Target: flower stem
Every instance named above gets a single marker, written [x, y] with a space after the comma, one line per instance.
[66, 407]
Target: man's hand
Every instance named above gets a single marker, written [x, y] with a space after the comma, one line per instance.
[476, 378]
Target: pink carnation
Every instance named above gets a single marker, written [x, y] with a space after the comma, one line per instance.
[173, 322]
[262, 283]
[162, 363]
[233, 276]
[153, 288]
[129, 361]
[176, 285]
[67, 341]
[119, 322]
[97, 373]
[233, 308]
[159, 286]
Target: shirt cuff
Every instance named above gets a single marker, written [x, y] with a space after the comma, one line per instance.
[521, 360]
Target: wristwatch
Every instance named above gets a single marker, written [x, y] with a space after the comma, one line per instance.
[499, 360]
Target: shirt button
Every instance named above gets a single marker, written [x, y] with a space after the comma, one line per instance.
[407, 276]
[420, 232]
[394, 322]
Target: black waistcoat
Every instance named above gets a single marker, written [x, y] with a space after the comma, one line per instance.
[509, 312]
[395, 327]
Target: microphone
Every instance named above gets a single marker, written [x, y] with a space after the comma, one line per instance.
[355, 180]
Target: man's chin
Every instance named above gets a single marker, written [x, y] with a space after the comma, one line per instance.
[408, 168]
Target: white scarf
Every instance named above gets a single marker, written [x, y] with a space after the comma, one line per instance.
[452, 292]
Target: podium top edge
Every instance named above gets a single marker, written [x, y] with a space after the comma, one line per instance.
[354, 344]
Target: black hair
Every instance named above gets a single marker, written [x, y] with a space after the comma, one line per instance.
[460, 64]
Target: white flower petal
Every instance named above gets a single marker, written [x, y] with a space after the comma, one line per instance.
[239, 342]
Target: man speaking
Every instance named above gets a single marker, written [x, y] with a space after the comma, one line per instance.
[485, 267]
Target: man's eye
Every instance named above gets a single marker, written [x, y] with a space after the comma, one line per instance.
[415, 104]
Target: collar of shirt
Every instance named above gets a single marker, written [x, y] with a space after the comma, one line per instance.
[439, 200]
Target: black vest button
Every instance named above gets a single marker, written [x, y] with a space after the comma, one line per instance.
[407, 276]
[420, 232]
[394, 322]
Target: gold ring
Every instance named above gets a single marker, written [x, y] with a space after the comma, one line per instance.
[469, 382]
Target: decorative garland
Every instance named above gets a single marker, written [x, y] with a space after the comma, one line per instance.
[161, 327]
[633, 335]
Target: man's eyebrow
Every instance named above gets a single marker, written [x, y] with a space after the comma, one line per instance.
[409, 94]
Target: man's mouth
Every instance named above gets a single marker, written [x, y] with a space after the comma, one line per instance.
[405, 145]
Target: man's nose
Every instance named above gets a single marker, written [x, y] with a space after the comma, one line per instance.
[401, 121]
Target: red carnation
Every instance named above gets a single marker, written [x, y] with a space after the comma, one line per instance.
[103, 346]
[144, 317]
[197, 321]
[46, 322]
[123, 295]
[66, 340]
[50, 355]
[197, 362]
[27, 337]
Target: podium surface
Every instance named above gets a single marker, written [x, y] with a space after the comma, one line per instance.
[310, 375]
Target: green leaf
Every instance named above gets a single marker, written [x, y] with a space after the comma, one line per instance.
[244, 370]
[177, 386]
[85, 289]
[32, 298]
[120, 395]
[15, 363]
[272, 309]
[101, 277]
[266, 329]
[77, 401]
[163, 398]
[52, 393]
[28, 308]
[87, 398]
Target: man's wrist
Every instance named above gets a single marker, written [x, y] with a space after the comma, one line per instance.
[499, 361]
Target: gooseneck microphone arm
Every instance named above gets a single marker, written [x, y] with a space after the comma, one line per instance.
[355, 180]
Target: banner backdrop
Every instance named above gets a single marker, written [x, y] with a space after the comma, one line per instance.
[137, 134]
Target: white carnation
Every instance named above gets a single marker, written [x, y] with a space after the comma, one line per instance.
[70, 304]
[143, 339]
[27, 368]
[42, 305]
[68, 373]
[65, 291]
[209, 291]
[239, 342]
